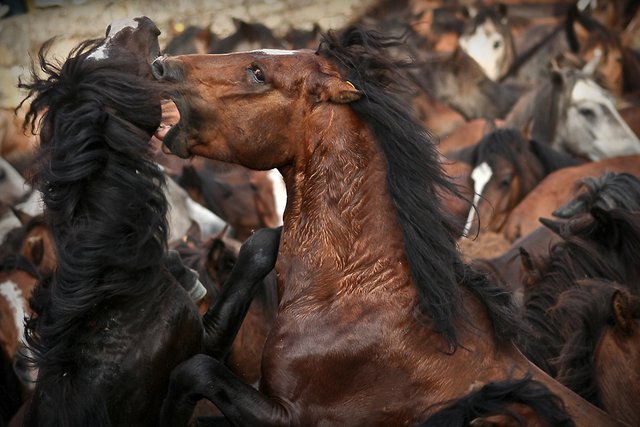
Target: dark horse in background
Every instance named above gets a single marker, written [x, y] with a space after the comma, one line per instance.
[117, 314]
[378, 319]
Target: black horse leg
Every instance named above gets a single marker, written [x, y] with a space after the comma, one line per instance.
[187, 277]
[205, 377]
[222, 321]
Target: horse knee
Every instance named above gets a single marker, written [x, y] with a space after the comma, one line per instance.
[190, 376]
[258, 253]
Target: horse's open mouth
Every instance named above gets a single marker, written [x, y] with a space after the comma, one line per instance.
[169, 130]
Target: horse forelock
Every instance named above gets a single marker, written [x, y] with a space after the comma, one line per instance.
[414, 173]
[585, 314]
[102, 50]
[506, 143]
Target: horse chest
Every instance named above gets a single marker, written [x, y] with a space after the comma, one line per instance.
[321, 362]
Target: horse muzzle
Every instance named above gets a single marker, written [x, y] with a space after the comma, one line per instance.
[167, 69]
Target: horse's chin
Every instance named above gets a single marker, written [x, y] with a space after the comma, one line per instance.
[175, 140]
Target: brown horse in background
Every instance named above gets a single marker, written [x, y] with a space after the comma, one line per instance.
[18, 279]
[242, 197]
[506, 167]
[600, 244]
[600, 360]
[557, 189]
[378, 318]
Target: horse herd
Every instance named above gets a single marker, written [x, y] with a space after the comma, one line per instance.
[458, 242]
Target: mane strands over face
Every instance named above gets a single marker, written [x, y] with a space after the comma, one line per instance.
[105, 206]
[415, 175]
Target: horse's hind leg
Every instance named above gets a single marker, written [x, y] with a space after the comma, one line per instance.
[205, 377]
[256, 259]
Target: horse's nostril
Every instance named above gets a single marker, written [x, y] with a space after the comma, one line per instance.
[157, 68]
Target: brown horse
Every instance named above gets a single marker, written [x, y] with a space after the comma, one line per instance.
[242, 197]
[18, 279]
[611, 190]
[599, 244]
[506, 167]
[600, 359]
[558, 188]
[378, 317]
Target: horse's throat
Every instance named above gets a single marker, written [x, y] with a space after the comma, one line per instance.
[340, 226]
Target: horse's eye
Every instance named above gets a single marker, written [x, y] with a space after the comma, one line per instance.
[587, 113]
[108, 31]
[257, 74]
[496, 44]
[505, 182]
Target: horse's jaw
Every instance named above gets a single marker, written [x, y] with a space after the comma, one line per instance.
[171, 130]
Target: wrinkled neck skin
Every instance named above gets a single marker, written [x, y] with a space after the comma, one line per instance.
[339, 219]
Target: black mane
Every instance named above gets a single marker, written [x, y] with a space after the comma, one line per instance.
[593, 250]
[106, 210]
[606, 191]
[415, 177]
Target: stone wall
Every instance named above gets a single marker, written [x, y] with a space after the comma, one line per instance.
[22, 35]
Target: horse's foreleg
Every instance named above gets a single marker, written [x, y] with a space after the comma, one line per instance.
[256, 259]
[205, 377]
[187, 277]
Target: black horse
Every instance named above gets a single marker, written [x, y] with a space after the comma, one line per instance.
[117, 315]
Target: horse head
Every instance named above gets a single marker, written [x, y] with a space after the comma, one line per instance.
[487, 38]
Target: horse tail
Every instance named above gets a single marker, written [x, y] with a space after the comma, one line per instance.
[509, 400]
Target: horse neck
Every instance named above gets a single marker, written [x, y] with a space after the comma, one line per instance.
[339, 216]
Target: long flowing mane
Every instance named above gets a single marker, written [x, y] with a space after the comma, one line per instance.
[415, 178]
[104, 205]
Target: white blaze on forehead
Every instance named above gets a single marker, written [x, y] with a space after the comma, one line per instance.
[116, 27]
[480, 46]
[480, 175]
[12, 293]
[274, 51]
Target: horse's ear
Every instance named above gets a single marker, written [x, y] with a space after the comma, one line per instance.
[237, 23]
[468, 11]
[570, 208]
[217, 245]
[580, 32]
[23, 217]
[36, 244]
[334, 89]
[556, 226]
[502, 12]
[557, 74]
[216, 251]
[526, 261]
[590, 67]
[622, 315]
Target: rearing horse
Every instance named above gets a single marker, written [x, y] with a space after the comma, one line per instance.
[379, 319]
[117, 314]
